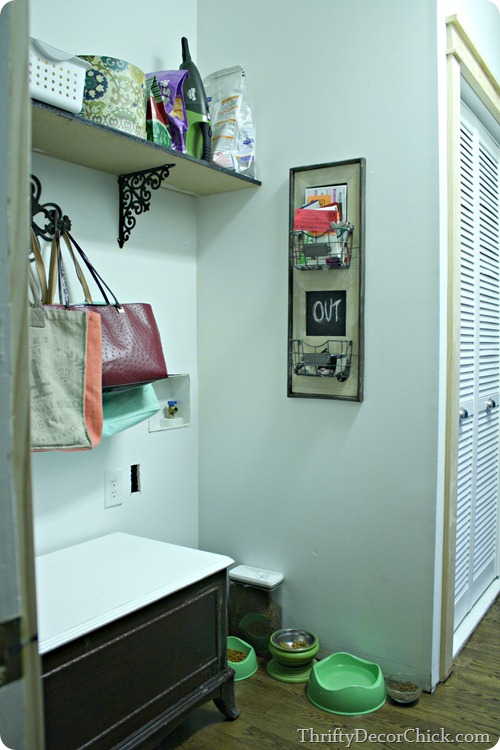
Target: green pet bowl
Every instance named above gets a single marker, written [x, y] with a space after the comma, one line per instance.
[293, 653]
[248, 666]
[292, 647]
[345, 684]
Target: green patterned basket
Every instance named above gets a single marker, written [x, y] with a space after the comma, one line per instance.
[115, 94]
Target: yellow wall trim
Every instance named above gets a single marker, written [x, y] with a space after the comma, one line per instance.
[463, 61]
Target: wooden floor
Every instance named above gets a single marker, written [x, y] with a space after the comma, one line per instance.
[272, 712]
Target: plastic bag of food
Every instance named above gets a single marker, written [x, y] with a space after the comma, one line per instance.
[170, 85]
[156, 118]
[233, 131]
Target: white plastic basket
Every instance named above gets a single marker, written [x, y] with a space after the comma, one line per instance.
[56, 77]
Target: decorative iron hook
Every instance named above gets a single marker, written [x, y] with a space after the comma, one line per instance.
[52, 216]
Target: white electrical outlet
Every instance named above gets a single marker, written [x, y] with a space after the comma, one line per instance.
[113, 488]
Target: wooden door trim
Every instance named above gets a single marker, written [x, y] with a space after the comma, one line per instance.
[14, 197]
[463, 61]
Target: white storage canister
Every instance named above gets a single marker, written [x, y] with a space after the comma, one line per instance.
[255, 609]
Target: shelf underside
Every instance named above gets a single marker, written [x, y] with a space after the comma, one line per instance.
[72, 138]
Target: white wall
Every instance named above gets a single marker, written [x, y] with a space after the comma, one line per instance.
[340, 497]
[157, 265]
[345, 499]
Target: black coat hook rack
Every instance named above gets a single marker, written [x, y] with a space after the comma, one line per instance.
[135, 196]
[51, 215]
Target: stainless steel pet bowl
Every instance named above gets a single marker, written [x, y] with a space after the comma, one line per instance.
[295, 641]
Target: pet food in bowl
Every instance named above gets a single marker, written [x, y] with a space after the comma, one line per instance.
[241, 657]
[293, 639]
[402, 688]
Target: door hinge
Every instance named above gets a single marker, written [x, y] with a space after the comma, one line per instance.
[11, 646]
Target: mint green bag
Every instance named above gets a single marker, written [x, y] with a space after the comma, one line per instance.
[125, 408]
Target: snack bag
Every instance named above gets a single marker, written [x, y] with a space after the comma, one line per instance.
[170, 86]
[156, 117]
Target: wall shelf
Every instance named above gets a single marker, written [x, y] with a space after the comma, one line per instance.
[75, 139]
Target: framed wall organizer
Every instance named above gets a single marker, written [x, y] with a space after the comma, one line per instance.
[326, 281]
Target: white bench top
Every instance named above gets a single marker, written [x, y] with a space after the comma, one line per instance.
[86, 586]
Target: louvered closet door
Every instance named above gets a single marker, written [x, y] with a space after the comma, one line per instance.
[478, 460]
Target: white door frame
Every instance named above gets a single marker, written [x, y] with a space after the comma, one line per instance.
[463, 61]
[21, 715]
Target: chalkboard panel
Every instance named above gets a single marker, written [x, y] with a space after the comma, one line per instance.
[326, 313]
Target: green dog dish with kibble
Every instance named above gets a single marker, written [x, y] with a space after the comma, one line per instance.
[245, 658]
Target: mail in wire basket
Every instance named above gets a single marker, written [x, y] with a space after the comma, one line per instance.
[329, 250]
[331, 359]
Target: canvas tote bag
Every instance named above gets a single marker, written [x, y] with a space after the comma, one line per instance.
[65, 356]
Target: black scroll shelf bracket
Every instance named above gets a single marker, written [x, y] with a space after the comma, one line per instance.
[135, 196]
[46, 218]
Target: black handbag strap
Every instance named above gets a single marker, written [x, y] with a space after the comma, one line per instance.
[57, 274]
[100, 283]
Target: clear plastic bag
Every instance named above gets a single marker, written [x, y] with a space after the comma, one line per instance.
[233, 131]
